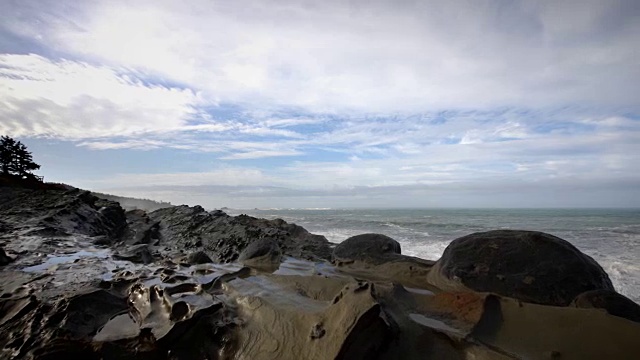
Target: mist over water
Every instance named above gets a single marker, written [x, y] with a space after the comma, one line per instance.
[610, 236]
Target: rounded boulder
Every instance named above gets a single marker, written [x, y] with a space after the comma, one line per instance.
[530, 266]
[373, 248]
[261, 249]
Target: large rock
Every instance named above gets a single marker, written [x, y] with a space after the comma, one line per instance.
[527, 265]
[264, 249]
[223, 238]
[60, 212]
[370, 248]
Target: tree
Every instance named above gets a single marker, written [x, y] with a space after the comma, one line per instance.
[15, 159]
[7, 146]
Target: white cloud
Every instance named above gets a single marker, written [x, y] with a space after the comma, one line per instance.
[128, 144]
[380, 56]
[256, 154]
[75, 100]
[230, 176]
[538, 158]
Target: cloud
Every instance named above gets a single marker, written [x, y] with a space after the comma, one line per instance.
[75, 100]
[228, 176]
[555, 193]
[105, 108]
[260, 154]
[534, 158]
[374, 56]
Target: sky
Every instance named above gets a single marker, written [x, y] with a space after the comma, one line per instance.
[341, 104]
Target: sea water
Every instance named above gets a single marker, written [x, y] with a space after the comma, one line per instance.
[610, 236]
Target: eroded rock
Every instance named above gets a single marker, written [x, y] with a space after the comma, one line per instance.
[223, 238]
[60, 212]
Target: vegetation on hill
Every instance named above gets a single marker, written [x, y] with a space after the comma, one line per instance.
[128, 203]
[16, 160]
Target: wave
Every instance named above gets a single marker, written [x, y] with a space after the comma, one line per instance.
[624, 277]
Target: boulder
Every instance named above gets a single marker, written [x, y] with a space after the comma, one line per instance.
[370, 248]
[614, 303]
[264, 249]
[527, 265]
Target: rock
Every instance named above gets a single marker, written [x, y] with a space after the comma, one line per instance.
[60, 212]
[266, 249]
[526, 265]
[4, 258]
[223, 237]
[374, 304]
[371, 248]
[381, 254]
[198, 257]
[88, 312]
[140, 229]
[353, 327]
[137, 254]
[611, 301]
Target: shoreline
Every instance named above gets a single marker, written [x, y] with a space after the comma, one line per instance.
[85, 278]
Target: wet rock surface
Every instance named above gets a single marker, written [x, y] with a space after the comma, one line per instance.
[181, 283]
[136, 253]
[526, 265]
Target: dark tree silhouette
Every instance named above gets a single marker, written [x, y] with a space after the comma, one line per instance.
[15, 159]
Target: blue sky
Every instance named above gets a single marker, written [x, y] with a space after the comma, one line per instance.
[330, 103]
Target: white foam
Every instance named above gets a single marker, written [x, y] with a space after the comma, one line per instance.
[337, 235]
[430, 250]
[624, 276]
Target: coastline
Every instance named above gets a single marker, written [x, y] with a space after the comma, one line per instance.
[85, 278]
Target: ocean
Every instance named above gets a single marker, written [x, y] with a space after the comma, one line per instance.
[610, 236]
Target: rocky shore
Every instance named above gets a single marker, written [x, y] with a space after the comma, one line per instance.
[80, 277]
